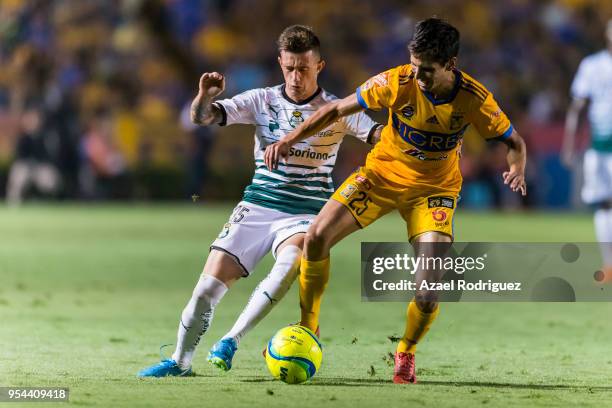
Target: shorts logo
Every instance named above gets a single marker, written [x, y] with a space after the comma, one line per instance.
[225, 231]
[446, 202]
[297, 225]
[364, 182]
[408, 111]
[348, 191]
[439, 215]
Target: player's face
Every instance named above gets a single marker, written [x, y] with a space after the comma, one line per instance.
[300, 72]
[609, 33]
[430, 74]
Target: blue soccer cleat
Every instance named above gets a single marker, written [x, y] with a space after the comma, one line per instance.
[222, 353]
[166, 368]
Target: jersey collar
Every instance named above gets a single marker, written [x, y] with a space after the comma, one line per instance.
[305, 101]
[452, 95]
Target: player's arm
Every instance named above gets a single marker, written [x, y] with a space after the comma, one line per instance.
[376, 135]
[493, 124]
[572, 119]
[322, 118]
[517, 160]
[203, 111]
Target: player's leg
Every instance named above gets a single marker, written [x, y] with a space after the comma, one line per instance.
[603, 231]
[597, 191]
[233, 254]
[423, 309]
[333, 223]
[220, 272]
[430, 232]
[271, 289]
[19, 179]
[357, 203]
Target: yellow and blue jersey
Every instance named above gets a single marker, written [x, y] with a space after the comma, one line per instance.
[420, 145]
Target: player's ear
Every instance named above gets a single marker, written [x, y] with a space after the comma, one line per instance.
[320, 66]
[279, 61]
[451, 64]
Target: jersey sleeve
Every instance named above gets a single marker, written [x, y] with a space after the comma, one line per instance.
[359, 125]
[490, 121]
[581, 85]
[240, 108]
[378, 92]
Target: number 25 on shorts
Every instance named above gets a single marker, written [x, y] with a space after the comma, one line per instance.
[359, 203]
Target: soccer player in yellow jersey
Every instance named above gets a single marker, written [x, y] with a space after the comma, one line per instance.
[414, 168]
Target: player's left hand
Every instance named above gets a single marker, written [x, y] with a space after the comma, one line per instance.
[515, 179]
[275, 152]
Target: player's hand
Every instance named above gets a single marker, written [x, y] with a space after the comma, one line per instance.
[275, 152]
[212, 84]
[515, 179]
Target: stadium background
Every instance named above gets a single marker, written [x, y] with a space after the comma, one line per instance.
[111, 78]
[90, 289]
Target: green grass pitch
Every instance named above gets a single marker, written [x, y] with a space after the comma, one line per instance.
[89, 293]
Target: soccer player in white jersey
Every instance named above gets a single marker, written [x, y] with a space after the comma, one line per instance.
[593, 85]
[277, 207]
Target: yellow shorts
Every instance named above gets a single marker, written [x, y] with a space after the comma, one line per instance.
[424, 208]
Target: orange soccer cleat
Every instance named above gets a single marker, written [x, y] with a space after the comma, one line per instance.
[404, 371]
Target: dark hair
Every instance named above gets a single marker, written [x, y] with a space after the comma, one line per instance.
[435, 39]
[298, 39]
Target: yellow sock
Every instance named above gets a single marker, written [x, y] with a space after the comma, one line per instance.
[417, 325]
[313, 281]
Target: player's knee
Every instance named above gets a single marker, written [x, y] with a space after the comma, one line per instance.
[316, 239]
[209, 288]
[287, 264]
[426, 300]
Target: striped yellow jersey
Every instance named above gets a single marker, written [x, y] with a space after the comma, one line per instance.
[420, 145]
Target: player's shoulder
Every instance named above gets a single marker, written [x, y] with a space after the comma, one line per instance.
[395, 76]
[263, 95]
[472, 88]
[400, 73]
[269, 91]
[253, 93]
[327, 97]
[596, 58]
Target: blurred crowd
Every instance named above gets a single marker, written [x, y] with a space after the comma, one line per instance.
[94, 93]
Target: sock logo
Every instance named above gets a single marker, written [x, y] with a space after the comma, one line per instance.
[270, 298]
[206, 317]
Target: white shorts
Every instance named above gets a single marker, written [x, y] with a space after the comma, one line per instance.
[252, 231]
[597, 185]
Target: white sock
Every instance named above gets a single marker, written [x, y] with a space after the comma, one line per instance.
[269, 292]
[196, 318]
[603, 231]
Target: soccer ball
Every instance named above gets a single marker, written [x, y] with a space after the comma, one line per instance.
[294, 354]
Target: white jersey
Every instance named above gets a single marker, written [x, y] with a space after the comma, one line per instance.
[303, 184]
[593, 81]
